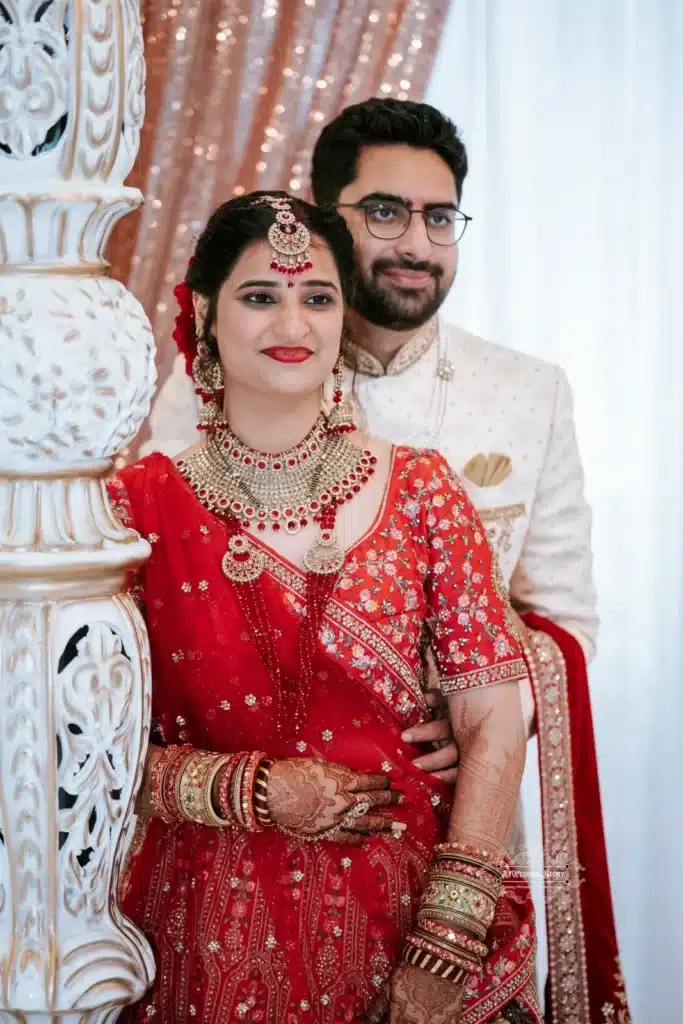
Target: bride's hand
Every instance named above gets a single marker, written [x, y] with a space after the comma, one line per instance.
[312, 798]
[417, 997]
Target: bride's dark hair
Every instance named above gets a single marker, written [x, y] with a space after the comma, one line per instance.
[241, 222]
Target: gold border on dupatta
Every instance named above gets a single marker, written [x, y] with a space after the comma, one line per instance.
[503, 994]
[566, 942]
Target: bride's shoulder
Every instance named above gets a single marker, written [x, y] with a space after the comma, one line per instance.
[421, 461]
[425, 473]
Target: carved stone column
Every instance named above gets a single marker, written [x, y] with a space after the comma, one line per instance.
[76, 376]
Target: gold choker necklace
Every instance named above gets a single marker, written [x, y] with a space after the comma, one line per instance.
[283, 491]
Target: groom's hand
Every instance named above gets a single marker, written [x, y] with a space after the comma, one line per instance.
[443, 763]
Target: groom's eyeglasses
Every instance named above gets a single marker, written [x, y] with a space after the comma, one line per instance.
[389, 218]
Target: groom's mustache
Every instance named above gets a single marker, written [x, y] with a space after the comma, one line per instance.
[422, 266]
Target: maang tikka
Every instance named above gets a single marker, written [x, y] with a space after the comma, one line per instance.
[290, 240]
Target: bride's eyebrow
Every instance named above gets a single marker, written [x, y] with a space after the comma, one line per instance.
[319, 284]
[259, 284]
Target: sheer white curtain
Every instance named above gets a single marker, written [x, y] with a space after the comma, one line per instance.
[573, 116]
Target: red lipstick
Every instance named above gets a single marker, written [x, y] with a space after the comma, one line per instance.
[288, 354]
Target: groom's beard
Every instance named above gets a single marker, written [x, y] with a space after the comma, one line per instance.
[385, 304]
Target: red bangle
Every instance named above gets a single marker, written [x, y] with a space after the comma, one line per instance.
[171, 759]
[224, 806]
[247, 791]
[436, 965]
[456, 959]
[261, 794]
[455, 938]
[482, 858]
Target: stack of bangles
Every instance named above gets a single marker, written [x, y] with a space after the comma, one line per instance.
[458, 905]
[211, 789]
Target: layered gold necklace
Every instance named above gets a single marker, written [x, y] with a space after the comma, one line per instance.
[282, 491]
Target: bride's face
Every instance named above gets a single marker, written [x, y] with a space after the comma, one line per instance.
[279, 335]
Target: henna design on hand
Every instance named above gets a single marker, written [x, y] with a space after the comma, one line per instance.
[418, 997]
[490, 731]
[310, 796]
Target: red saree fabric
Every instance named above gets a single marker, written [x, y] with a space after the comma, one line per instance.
[585, 985]
[264, 928]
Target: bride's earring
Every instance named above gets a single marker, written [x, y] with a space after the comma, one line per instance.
[207, 374]
[340, 420]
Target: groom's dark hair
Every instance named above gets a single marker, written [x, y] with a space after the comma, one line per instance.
[381, 122]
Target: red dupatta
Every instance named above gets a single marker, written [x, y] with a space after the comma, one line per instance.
[585, 985]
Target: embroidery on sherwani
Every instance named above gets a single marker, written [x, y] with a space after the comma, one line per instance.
[499, 523]
[409, 354]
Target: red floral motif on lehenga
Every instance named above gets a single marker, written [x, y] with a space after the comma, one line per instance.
[260, 928]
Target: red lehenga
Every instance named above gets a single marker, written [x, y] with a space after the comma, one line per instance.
[262, 927]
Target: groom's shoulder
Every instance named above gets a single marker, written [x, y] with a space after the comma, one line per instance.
[493, 360]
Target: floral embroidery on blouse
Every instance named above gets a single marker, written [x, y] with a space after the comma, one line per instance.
[430, 562]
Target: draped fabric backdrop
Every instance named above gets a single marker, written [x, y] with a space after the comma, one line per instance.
[237, 92]
[573, 114]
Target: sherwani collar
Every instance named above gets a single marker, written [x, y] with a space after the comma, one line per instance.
[369, 365]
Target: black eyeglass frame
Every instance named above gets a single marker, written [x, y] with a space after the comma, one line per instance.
[364, 206]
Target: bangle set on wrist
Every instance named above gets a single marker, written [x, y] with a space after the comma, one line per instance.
[185, 781]
[458, 906]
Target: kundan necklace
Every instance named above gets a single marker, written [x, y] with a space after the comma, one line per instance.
[286, 492]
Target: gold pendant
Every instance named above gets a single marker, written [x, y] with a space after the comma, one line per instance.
[242, 562]
[324, 555]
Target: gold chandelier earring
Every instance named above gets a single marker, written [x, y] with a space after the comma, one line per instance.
[340, 420]
[207, 372]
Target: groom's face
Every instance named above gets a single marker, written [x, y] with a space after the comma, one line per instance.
[401, 281]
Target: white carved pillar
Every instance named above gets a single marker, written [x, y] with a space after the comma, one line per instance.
[76, 376]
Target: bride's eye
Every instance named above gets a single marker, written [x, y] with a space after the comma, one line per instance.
[259, 298]
[319, 300]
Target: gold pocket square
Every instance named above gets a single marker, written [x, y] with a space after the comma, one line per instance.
[488, 470]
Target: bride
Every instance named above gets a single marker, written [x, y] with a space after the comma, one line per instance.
[291, 863]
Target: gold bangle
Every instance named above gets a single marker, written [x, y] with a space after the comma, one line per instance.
[461, 898]
[236, 791]
[490, 892]
[472, 868]
[194, 789]
[212, 816]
